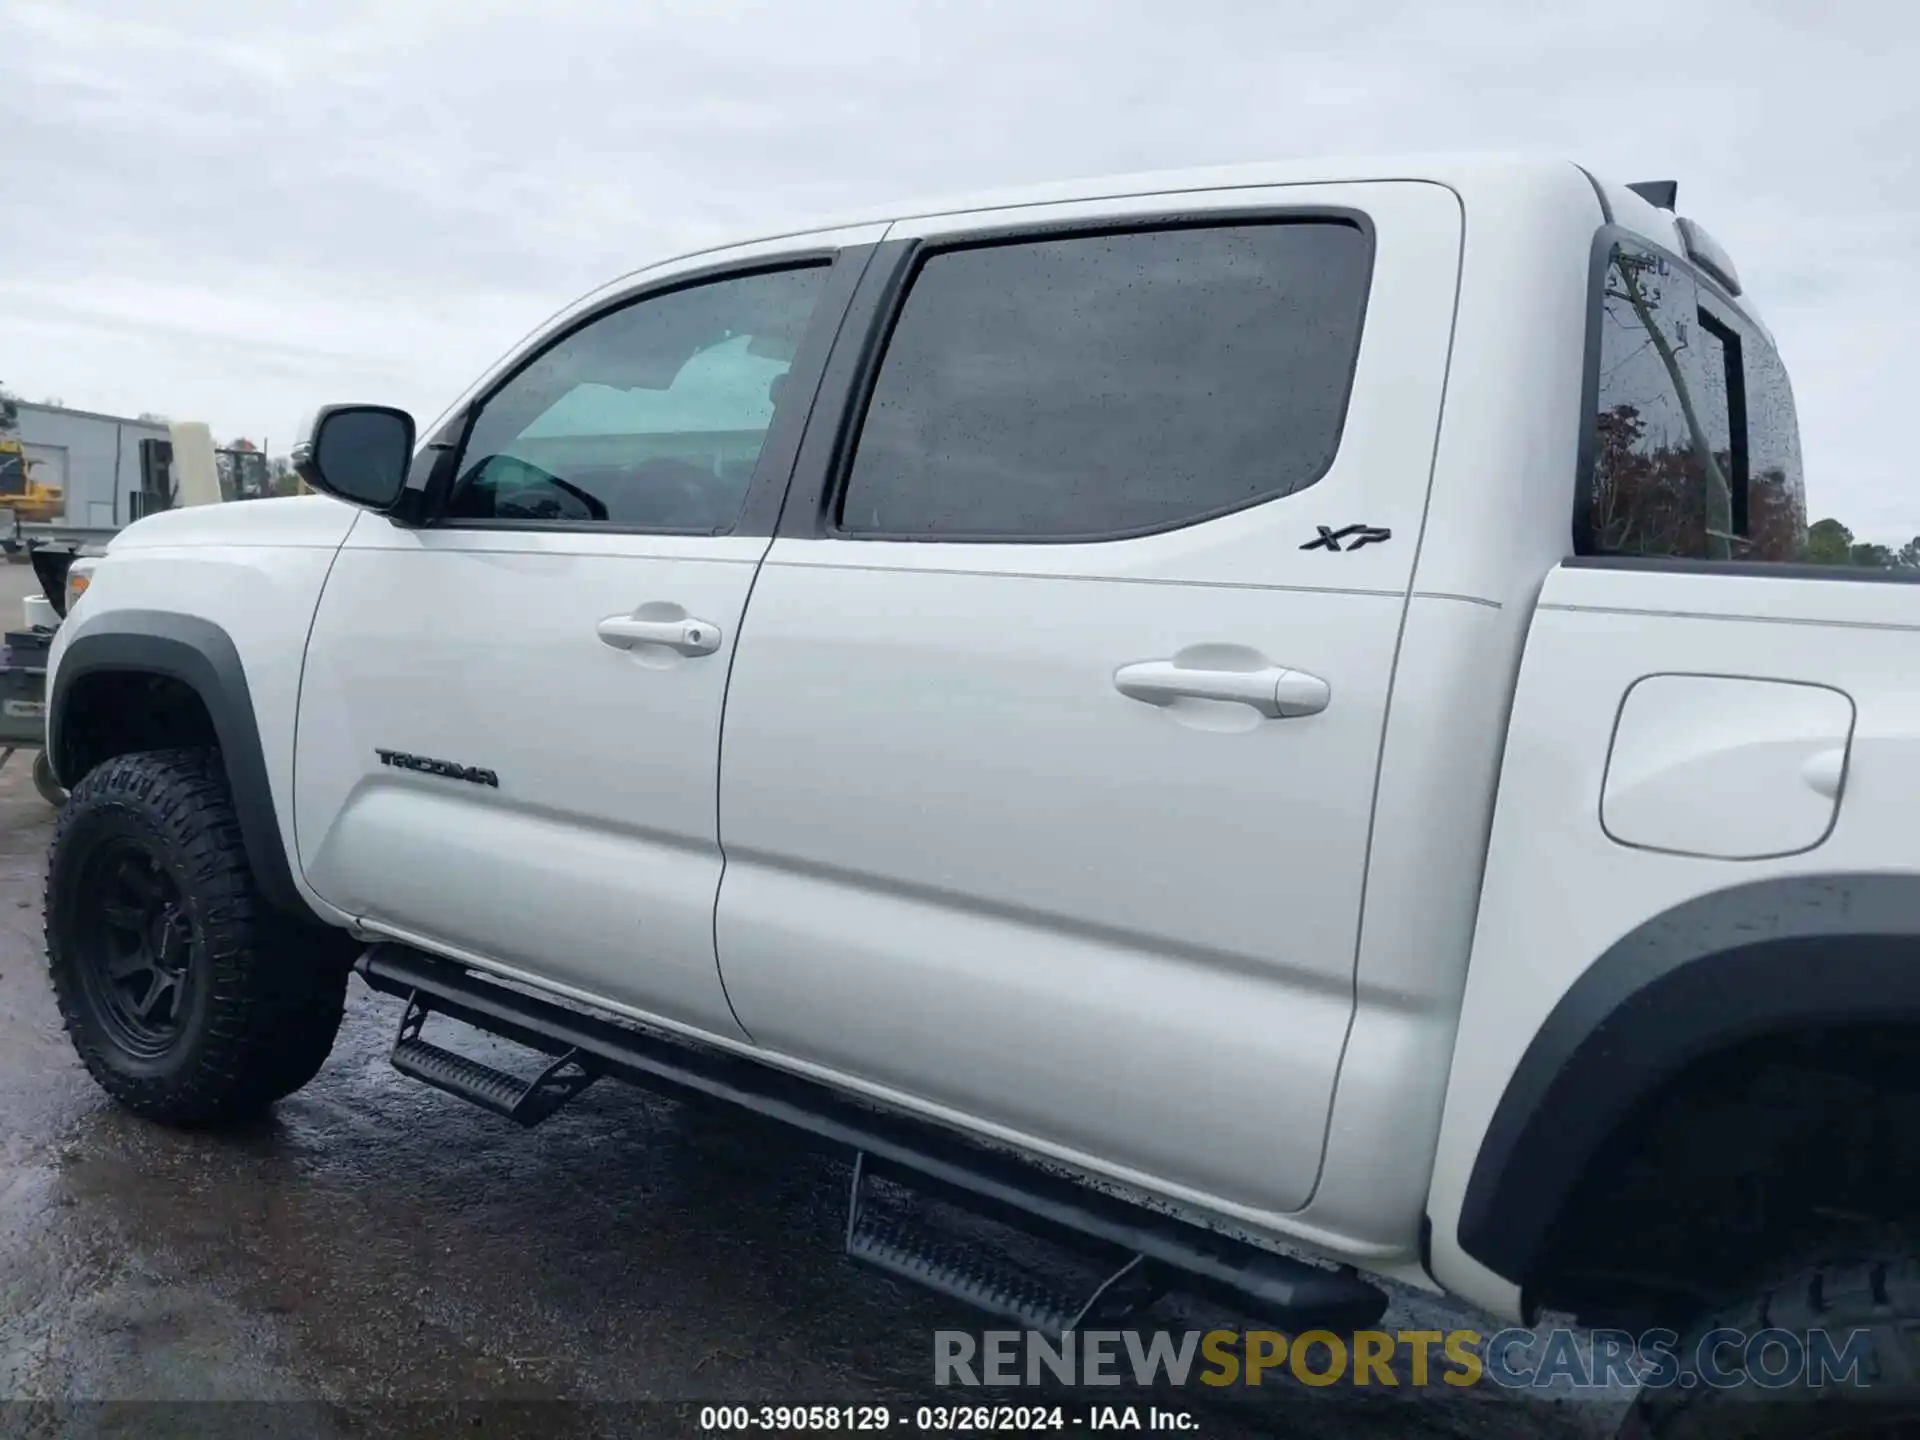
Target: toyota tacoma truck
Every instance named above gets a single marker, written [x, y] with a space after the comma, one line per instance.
[1269, 725]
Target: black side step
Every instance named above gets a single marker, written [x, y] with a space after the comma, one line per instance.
[972, 1274]
[1291, 1293]
[526, 1101]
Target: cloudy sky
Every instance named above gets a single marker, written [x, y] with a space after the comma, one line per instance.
[235, 211]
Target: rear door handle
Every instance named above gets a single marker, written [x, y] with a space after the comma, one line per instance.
[1275, 691]
[688, 636]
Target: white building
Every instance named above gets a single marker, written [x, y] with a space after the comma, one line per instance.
[93, 458]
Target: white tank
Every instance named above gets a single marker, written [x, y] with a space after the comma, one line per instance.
[196, 476]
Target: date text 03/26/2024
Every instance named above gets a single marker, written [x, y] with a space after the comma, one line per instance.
[958, 1419]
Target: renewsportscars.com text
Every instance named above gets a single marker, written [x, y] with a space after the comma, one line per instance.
[1556, 1360]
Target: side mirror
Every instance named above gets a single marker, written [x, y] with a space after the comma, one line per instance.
[358, 453]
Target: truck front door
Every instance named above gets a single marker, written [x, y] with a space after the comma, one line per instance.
[510, 719]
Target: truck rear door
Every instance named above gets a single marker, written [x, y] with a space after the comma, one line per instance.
[1050, 744]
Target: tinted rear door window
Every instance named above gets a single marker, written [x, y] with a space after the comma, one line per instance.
[1088, 386]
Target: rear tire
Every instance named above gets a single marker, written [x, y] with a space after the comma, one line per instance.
[1839, 1296]
[189, 999]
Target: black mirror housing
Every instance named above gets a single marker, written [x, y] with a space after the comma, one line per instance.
[358, 453]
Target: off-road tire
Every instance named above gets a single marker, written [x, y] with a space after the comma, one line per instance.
[257, 997]
[1840, 1296]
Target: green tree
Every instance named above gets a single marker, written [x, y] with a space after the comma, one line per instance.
[1829, 543]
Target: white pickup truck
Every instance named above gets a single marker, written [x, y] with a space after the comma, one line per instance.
[1224, 717]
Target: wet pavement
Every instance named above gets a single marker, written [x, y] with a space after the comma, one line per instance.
[380, 1258]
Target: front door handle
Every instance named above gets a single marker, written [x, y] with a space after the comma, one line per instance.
[1275, 691]
[687, 635]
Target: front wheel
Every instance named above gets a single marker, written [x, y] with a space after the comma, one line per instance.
[189, 999]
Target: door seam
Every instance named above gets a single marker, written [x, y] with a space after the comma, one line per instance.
[1380, 752]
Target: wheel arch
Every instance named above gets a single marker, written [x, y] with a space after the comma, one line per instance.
[1707, 978]
[200, 657]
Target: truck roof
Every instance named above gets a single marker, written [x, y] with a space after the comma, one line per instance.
[1469, 174]
[1512, 179]
[1462, 172]
[1466, 173]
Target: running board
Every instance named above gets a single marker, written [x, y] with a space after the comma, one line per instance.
[1148, 1249]
[526, 1102]
[970, 1272]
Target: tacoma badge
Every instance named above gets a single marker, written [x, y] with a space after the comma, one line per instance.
[425, 765]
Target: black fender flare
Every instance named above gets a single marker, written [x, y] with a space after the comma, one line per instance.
[202, 656]
[1730, 966]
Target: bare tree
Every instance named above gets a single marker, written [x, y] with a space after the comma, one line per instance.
[1719, 497]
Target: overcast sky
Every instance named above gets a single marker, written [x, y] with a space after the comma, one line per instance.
[234, 212]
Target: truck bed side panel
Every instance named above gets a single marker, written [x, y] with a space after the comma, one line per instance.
[1677, 731]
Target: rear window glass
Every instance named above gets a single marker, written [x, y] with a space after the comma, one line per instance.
[1696, 448]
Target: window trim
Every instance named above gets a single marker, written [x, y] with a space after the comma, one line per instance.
[1713, 305]
[1733, 350]
[1774, 569]
[826, 461]
[772, 471]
